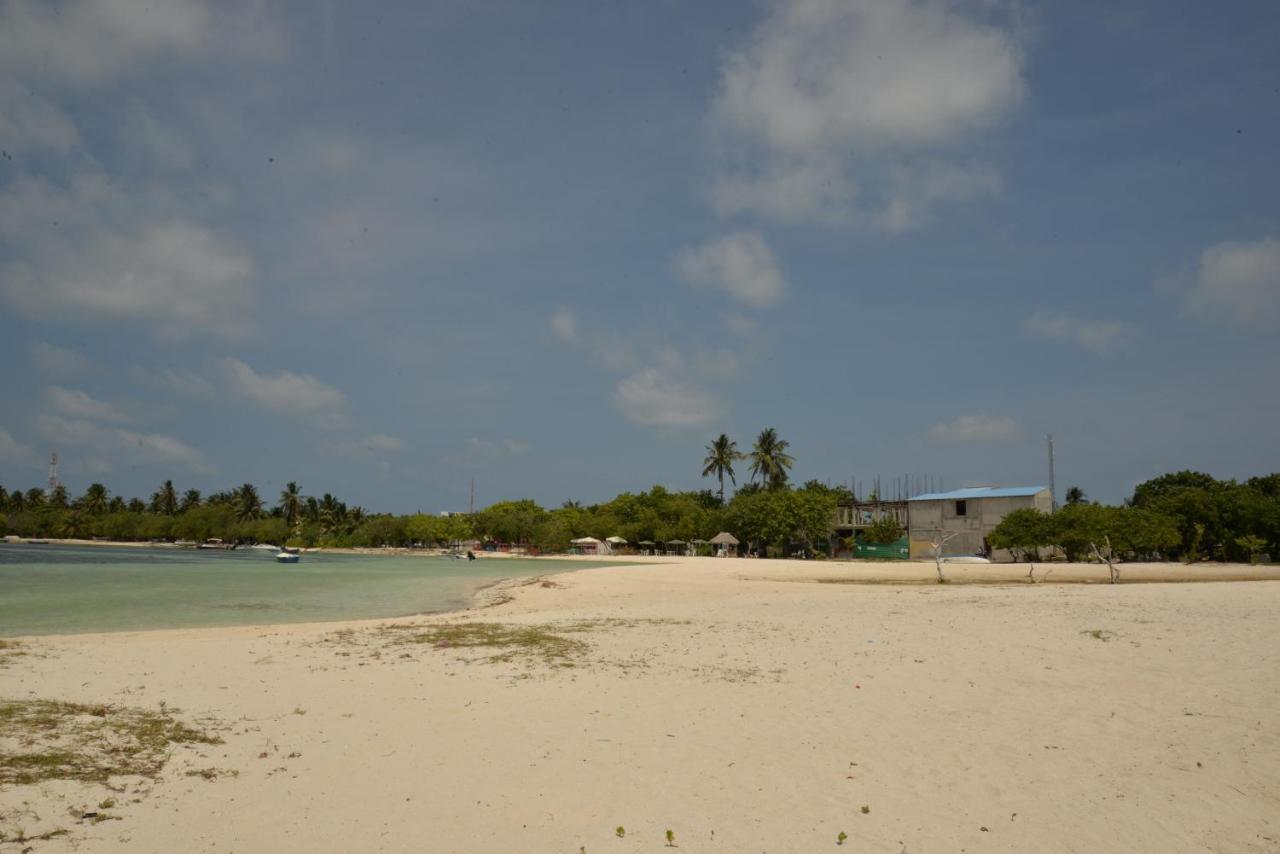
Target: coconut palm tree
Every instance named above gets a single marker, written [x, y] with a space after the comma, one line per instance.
[722, 453]
[247, 503]
[17, 501]
[116, 504]
[164, 501]
[1075, 495]
[290, 503]
[770, 460]
[94, 500]
[58, 497]
[137, 505]
[190, 500]
[35, 498]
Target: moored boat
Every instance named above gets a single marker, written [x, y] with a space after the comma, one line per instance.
[287, 557]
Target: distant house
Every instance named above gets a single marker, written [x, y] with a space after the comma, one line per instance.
[970, 514]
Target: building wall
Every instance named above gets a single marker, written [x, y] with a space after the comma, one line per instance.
[930, 519]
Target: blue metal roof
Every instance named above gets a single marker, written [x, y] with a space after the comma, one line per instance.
[981, 492]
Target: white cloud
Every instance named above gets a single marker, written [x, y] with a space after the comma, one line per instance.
[847, 110]
[79, 404]
[93, 41]
[360, 449]
[564, 326]
[1236, 282]
[741, 264]
[58, 361]
[974, 428]
[86, 251]
[168, 379]
[287, 393]
[110, 443]
[651, 397]
[13, 452]
[158, 448]
[1096, 336]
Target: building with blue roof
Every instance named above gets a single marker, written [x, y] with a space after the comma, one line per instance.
[964, 517]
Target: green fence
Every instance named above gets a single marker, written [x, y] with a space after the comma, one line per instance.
[899, 550]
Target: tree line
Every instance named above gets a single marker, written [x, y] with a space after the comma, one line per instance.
[1187, 515]
[766, 513]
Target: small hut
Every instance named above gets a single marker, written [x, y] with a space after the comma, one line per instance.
[724, 541]
[586, 545]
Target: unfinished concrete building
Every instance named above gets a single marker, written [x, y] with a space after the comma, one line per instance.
[969, 514]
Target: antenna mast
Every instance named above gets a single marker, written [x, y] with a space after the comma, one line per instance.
[471, 508]
[54, 483]
[1053, 491]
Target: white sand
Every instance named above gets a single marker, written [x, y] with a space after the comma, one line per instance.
[749, 715]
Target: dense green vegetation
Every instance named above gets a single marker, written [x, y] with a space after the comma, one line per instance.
[778, 517]
[1189, 516]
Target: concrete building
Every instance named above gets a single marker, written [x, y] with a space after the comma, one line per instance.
[970, 514]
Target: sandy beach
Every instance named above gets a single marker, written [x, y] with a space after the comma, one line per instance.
[743, 705]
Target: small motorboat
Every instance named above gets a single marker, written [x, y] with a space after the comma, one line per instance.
[287, 557]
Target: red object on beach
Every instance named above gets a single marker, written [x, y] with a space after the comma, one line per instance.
[857, 686]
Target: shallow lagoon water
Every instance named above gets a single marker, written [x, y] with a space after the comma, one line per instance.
[55, 589]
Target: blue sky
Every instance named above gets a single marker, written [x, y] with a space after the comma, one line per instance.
[382, 249]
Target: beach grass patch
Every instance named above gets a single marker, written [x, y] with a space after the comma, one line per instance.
[1099, 634]
[44, 740]
[510, 642]
[9, 650]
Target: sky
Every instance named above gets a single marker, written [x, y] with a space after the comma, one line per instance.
[386, 249]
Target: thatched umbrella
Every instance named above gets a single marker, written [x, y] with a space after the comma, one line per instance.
[724, 538]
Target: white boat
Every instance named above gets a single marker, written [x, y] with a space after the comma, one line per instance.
[965, 559]
[287, 557]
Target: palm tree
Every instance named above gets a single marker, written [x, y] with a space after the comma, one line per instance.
[35, 498]
[58, 497]
[721, 455]
[94, 500]
[164, 501]
[137, 505]
[770, 460]
[190, 500]
[311, 509]
[1075, 495]
[248, 504]
[116, 504]
[290, 503]
[17, 501]
[332, 512]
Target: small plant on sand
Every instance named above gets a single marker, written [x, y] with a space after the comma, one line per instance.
[1099, 634]
[841, 837]
[866, 809]
[620, 831]
[938, 543]
[671, 838]
[1107, 557]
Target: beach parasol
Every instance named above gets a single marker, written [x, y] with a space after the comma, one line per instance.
[724, 538]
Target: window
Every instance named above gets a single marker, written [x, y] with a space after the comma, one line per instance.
[962, 507]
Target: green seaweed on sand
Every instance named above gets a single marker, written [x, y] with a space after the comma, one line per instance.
[53, 740]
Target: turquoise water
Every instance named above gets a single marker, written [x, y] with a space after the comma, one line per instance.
[51, 589]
